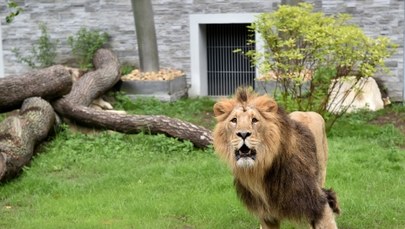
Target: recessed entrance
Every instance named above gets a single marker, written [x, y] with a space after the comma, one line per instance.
[227, 70]
[215, 69]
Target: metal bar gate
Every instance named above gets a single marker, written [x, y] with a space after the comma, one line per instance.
[227, 70]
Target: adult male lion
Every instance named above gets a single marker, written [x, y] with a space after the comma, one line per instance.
[278, 161]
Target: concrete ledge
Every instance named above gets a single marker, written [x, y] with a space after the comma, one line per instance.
[164, 90]
[269, 87]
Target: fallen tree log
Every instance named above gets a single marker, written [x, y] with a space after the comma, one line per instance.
[19, 135]
[199, 136]
[48, 83]
[94, 84]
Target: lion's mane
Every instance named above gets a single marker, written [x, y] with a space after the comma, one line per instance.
[287, 159]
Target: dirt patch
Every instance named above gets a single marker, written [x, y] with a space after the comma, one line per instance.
[391, 117]
[208, 120]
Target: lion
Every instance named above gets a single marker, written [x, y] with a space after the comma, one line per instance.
[278, 160]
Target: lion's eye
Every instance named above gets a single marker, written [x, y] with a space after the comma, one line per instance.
[254, 120]
[234, 120]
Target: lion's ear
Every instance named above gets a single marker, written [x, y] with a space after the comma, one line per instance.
[266, 104]
[223, 107]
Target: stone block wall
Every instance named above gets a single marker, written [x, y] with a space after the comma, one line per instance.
[64, 18]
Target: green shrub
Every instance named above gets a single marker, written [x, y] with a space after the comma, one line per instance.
[126, 69]
[42, 53]
[85, 43]
[299, 44]
[13, 10]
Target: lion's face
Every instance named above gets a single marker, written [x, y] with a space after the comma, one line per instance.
[243, 131]
[247, 134]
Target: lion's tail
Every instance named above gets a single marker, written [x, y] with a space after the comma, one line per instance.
[332, 200]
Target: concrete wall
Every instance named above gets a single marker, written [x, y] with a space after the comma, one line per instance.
[64, 18]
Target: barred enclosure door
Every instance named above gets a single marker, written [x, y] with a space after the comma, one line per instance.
[227, 70]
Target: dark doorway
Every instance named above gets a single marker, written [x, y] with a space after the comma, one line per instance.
[227, 70]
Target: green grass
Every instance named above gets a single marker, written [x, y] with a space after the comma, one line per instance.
[367, 169]
[120, 181]
[113, 180]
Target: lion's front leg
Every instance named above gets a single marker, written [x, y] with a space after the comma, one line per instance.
[269, 223]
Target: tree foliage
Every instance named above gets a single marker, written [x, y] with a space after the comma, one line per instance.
[84, 45]
[307, 52]
[42, 53]
[14, 10]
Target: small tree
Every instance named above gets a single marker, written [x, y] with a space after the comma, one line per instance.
[84, 45]
[306, 49]
[14, 10]
[42, 53]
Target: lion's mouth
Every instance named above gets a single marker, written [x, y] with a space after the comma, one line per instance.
[245, 152]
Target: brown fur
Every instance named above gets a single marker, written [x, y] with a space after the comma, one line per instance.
[287, 175]
[316, 124]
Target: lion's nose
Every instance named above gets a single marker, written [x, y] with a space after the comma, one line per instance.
[243, 134]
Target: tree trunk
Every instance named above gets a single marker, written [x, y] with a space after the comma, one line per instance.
[93, 84]
[19, 135]
[146, 35]
[48, 83]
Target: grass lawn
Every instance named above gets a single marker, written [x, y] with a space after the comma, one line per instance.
[112, 180]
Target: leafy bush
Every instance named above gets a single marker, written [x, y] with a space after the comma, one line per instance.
[14, 10]
[43, 52]
[126, 69]
[85, 43]
[306, 49]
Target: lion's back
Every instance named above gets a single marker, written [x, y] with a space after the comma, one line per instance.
[316, 124]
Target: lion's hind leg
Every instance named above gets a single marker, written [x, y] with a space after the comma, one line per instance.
[327, 221]
[332, 200]
[269, 223]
